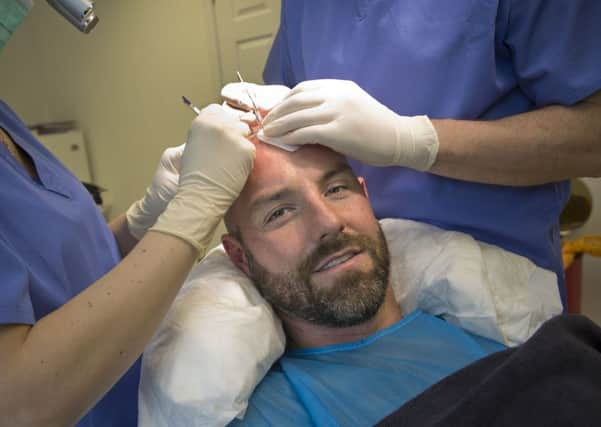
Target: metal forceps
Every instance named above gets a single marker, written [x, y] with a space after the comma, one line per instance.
[255, 110]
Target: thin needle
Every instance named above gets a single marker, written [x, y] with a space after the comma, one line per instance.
[255, 109]
[192, 106]
[239, 77]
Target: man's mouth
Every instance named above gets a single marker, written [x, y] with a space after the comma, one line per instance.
[336, 259]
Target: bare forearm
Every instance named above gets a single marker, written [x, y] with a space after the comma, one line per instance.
[546, 145]
[71, 357]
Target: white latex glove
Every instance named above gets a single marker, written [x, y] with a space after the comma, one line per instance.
[341, 115]
[143, 214]
[216, 162]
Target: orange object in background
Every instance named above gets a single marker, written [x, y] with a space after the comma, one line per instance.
[583, 245]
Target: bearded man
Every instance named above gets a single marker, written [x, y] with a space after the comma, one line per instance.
[303, 230]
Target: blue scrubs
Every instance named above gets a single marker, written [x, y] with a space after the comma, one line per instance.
[359, 383]
[463, 59]
[54, 243]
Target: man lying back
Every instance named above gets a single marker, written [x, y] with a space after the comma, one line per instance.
[303, 230]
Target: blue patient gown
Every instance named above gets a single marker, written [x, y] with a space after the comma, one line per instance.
[359, 383]
[460, 59]
[54, 243]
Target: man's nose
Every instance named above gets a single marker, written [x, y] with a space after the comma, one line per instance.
[326, 219]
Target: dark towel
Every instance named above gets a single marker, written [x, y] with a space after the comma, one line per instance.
[554, 379]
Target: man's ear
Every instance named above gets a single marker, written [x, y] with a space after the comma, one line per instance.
[235, 252]
[363, 185]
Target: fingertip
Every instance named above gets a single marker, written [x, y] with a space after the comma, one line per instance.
[212, 108]
[248, 117]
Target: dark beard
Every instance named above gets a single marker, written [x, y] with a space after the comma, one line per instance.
[355, 297]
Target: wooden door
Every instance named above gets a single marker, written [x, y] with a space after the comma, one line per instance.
[245, 32]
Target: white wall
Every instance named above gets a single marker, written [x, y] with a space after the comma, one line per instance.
[22, 83]
[122, 83]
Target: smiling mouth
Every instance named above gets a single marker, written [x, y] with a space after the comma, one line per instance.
[336, 259]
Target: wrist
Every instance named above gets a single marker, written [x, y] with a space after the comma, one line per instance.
[195, 211]
[417, 143]
[137, 219]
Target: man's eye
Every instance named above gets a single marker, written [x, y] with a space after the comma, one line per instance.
[336, 189]
[277, 214]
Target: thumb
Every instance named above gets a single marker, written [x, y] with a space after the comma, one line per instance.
[316, 134]
[174, 157]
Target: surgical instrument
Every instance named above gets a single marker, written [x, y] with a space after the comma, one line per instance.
[255, 110]
[192, 106]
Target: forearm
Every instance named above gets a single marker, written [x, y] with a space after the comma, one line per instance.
[546, 145]
[71, 357]
[123, 237]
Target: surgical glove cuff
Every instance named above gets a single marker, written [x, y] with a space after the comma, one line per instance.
[196, 210]
[139, 218]
[417, 142]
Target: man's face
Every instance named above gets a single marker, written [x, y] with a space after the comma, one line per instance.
[306, 234]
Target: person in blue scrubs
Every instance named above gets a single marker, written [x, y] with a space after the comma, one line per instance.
[75, 314]
[469, 115]
[303, 231]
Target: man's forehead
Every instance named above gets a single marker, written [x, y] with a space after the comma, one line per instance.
[278, 174]
[272, 163]
[275, 170]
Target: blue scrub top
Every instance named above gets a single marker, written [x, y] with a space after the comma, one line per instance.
[54, 243]
[359, 383]
[463, 59]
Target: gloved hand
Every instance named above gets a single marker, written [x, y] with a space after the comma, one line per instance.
[216, 162]
[341, 115]
[143, 214]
